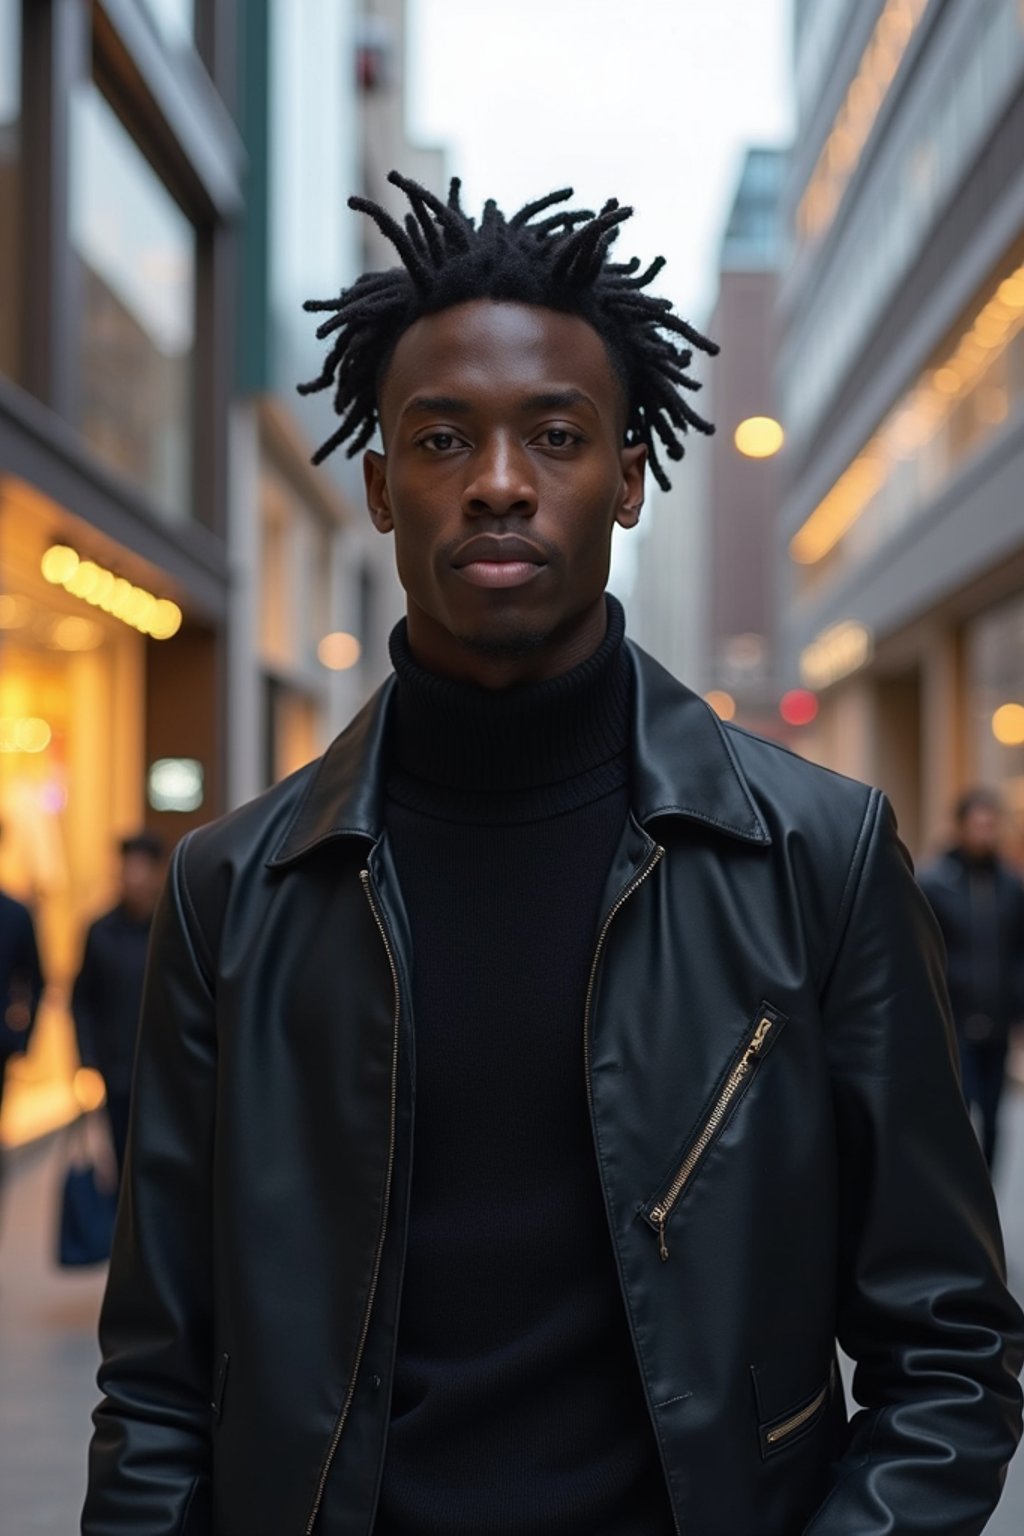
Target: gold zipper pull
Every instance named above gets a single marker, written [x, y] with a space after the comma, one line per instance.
[662, 1245]
[761, 1034]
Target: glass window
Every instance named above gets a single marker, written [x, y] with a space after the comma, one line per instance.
[137, 329]
[10, 185]
[175, 20]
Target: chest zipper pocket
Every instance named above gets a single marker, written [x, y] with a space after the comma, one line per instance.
[768, 1024]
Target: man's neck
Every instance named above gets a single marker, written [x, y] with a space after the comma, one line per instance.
[437, 650]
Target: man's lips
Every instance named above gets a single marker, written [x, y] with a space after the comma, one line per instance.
[498, 560]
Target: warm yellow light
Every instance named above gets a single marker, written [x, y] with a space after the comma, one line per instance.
[75, 634]
[723, 704]
[15, 610]
[59, 564]
[1012, 291]
[759, 437]
[857, 115]
[33, 735]
[339, 651]
[85, 580]
[165, 620]
[835, 653]
[158, 617]
[947, 381]
[141, 608]
[1008, 725]
[28, 734]
[89, 1089]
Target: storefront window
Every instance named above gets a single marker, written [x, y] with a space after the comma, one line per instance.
[995, 701]
[72, 735]
[10, 185]
[137, 335]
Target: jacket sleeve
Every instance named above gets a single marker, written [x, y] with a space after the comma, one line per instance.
[150, 1452]
[923, 1307]
[83, 1004]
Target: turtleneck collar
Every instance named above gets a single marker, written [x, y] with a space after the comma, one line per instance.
[531, 737]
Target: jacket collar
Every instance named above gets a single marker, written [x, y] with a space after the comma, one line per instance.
[683, 765]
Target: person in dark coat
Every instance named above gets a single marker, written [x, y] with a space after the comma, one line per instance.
[21, 981]
[107, 995]
[979, 903]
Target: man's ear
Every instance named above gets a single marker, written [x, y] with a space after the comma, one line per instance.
[634, 462]
[377, 499]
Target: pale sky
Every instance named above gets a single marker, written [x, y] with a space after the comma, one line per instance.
[649, 101]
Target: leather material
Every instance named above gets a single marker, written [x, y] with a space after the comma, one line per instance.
[840, 1194]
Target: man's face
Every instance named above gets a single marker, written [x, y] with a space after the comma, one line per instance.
[141, 878]
[979, 832]
[502, 478]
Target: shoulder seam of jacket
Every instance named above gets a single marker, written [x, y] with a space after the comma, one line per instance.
[191, 917]
[854, 874]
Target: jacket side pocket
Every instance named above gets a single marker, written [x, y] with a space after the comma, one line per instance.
[799, 1419]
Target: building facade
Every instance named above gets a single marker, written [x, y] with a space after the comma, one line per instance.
[703, 598]
[901, 542]
[120, 191]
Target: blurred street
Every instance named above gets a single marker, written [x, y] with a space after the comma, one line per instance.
[48, 1351]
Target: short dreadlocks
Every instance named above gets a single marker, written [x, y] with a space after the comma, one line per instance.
[559, 262]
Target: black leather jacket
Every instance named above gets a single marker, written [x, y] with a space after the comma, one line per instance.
[779, 1135]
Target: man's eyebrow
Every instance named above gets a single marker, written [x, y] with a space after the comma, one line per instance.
[558, 400]
[441, 405]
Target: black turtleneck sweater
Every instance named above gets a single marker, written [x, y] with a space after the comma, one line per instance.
[517, 1404]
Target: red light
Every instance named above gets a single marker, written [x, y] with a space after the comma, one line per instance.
[798, 707]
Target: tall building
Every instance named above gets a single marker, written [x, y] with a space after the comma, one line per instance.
[743, 485]
[298, 650]
[120, 189]
[703, 593]
[901, 552]
[385, 144]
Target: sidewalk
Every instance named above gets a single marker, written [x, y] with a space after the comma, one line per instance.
[48, 1353]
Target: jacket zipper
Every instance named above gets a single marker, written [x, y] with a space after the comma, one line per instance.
[364, 876]
[620, 901]
[782, 1431]
[738, 1080]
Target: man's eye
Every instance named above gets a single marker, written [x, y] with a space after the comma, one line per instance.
[439, 442]
[558, 437]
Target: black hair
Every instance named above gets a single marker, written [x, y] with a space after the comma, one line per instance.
[978, 799]
[150, 844]
[556, 260]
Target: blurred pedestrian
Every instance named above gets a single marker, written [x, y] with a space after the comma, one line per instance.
[979, 903]
[531, 1090]
[107, 994]
[21, 981]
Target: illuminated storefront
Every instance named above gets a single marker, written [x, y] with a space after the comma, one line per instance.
[72, 721]
[120, 189]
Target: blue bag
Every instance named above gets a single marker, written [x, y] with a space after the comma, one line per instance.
[87, 1211]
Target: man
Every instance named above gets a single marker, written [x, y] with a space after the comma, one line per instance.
[979, 904]
[107, 995]
[21, 981]
[532, 1089]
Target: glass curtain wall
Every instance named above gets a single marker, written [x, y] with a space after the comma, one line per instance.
[136, 336]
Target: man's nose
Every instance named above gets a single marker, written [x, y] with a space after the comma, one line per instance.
[501, 481]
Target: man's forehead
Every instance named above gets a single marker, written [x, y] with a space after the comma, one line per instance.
[528, 353]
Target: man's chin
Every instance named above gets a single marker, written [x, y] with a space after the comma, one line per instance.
[509, 639]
